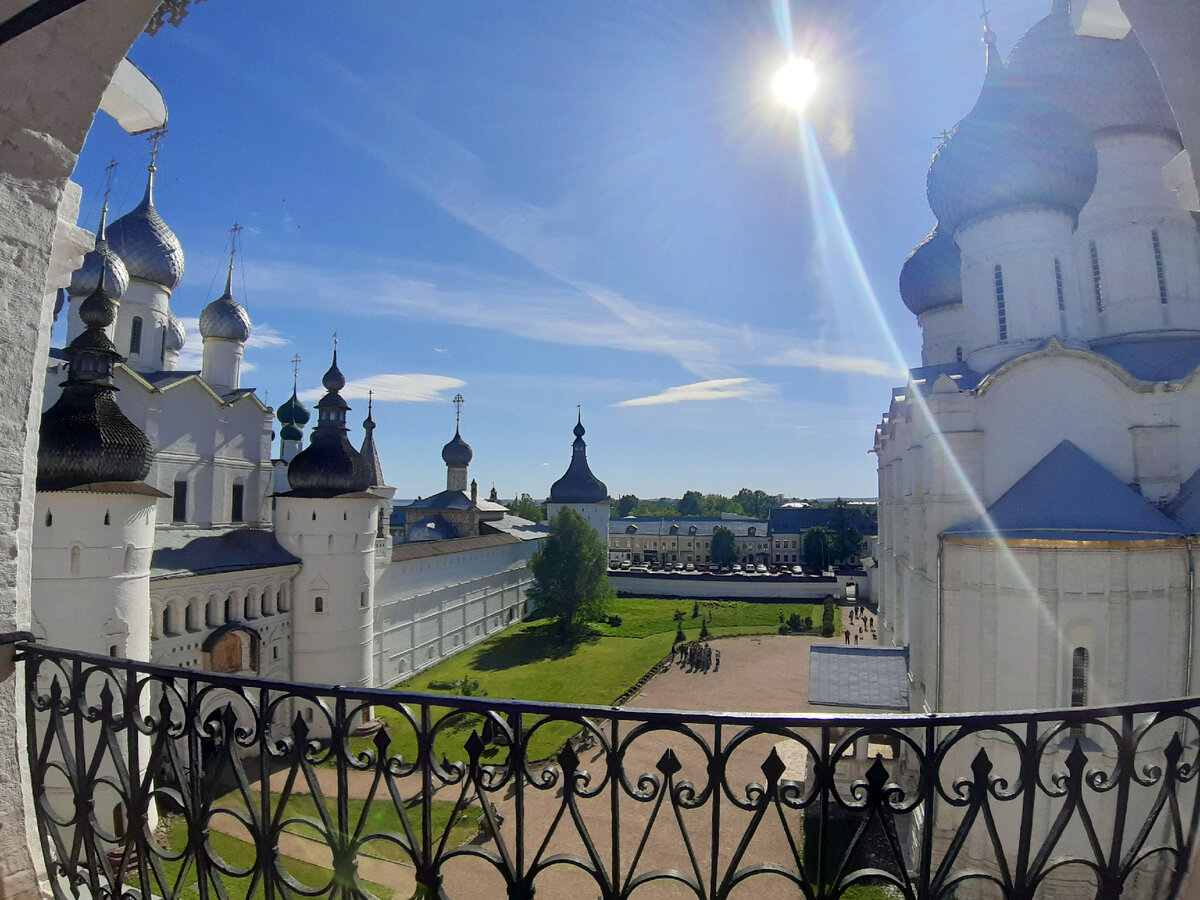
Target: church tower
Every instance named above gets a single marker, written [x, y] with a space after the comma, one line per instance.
[580, 490]
[379, 487]
[224, 328]
[328, 519]
[293, 416]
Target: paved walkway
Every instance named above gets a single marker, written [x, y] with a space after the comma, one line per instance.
[760, 673]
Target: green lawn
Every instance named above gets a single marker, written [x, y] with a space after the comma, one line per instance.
[525, 662]
[380, 817]
[240, 854]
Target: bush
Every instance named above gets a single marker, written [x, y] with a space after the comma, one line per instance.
[469, 687]
[615, 621]
[795, 623]
[704, 631]
[827, 618]
[783, 629]
[442, 685]
[696, 609]
[680, 637]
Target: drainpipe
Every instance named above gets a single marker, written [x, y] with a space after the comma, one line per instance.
[940, 610]
[1191, 619]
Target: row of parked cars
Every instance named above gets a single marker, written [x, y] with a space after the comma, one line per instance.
[704, 568]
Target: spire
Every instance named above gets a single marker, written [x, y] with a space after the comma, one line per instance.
[995, 66]
[369, 454]
[149, 248]
[155, 137]
[1060, 7]
[224, 318]
[84, 436]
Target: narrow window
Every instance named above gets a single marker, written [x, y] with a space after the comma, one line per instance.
[318, 604]
[1079, 671]
[1158, 267]
[135, 335]
[239, 496]
[166, 620]
[189, 617]
[958, 354]
[112, 649]
[49, 518]
[1001, 316]
[362, 599]
[229, 608]
[179, 504]
[1097, 287]
[107, 517]
[1058, 285]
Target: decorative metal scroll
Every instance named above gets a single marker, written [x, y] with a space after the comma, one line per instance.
[169, 12]
[173, 783]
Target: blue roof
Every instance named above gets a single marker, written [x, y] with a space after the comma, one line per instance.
[1069, 496]
[661, 525]
[794, 519]
[444, 500]
[866, 677]
[1161, 359]
[1185, 508]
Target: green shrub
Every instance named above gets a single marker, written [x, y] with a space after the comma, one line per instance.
[704, 631]
[680, 637]
[827, 618]
[615, 621]
[783, 629]
[795, 623]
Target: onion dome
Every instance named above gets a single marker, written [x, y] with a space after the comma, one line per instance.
[369, 454]
[100, 258]
[932, 274]
[84, 436]
[578, 485]
[457, 452]
[224, 319]
[329, 465]
[1106, 84]
[292, 415]
[176, 335]
[1013, 149]
[149, 248]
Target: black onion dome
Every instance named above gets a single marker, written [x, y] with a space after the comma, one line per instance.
[329, 465]
[100, 258]
[150, 249]
[1106, 84]
[457, 452]
[1013, 149]
[578, 484]
[932, 275]
[84, 437]
[224, 318]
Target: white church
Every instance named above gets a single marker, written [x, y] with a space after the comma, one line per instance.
[1039, 474]
[170, 531]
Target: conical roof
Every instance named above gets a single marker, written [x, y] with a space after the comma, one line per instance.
[578, 484]
[369, 454]
[84, 437]
[329, 465]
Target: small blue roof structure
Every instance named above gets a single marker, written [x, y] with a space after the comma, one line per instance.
[865, 677]
[1161, 359]
[1069, 496]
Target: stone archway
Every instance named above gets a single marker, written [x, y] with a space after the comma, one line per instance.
[51, 82]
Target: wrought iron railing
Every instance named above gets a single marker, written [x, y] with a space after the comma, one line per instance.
[155, 781]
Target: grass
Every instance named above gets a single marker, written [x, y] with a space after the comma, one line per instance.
[240, 854]
[381, 816]
[527, 662]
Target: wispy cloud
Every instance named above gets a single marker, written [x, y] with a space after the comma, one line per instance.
[192, 355]
[702, 391]
[409, 388]
[808, 358]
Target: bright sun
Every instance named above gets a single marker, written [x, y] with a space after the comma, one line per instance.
[795, 82]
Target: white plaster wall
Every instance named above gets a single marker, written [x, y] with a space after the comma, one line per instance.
[222, 364]
[596, 514]
[335, 539]
[151, 302]
[943, 334]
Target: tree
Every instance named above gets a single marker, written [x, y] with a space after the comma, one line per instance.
[724, 548]
[757, 503]
[626, 505]
[526, 507]
[844, 537]
[570, 573]
[817, 550]
[690, 504]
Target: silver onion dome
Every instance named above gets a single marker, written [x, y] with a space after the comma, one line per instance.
[150, 249]
[176, 335]
[224, 319]
[457, 452]
[932, 275]
[1014, 149]
[100, 258]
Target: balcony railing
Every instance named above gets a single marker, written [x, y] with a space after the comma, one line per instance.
[151, 780]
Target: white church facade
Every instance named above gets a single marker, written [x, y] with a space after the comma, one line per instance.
[169, 531]
[1039, 473]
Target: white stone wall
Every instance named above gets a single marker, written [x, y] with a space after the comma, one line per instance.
[152, 304]
[596, 514]
[431, 608]
[943, 335]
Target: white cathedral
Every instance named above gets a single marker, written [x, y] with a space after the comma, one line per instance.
[167, 531]
[1039, 474]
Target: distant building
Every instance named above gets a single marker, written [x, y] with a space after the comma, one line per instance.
[787, 525]
[655, 539]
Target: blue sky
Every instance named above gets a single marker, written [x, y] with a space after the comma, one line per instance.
[540, 205]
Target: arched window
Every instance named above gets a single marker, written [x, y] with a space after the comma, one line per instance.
[75, 553]
[318, 604]
[49, 518]
[1097, 287]
[1058, 285]
[1001, 314]
[210, 613]
[1158, 267]
[166, 620]
[189, 616]
[135, 335]
[958, 354]
[237, 503]
[229, 608]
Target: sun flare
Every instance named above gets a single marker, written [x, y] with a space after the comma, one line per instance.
[795, 83]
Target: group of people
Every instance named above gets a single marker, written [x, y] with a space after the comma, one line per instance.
[866, 626]
[697, 656]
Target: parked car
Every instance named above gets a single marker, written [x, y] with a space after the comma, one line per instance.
[737, 567]
[690, 568]
[760, 569]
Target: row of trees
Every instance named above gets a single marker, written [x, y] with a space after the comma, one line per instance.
[693, 503]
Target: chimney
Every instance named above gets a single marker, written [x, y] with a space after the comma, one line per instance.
[474, 491]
